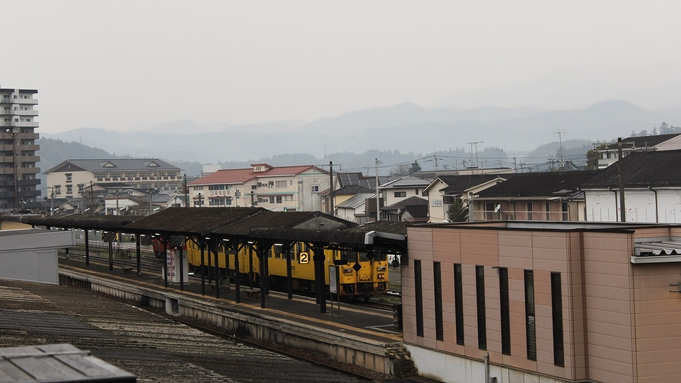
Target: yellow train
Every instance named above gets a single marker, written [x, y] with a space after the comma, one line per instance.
[358, 275]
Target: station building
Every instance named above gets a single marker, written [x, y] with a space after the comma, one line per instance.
[543, 302]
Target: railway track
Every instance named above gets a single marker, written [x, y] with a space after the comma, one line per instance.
[150, 264]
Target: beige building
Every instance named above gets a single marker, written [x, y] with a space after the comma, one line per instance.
[544, 302]
[71, 178]
[283, 188]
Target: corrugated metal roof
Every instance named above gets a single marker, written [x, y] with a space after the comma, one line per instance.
[57, 363]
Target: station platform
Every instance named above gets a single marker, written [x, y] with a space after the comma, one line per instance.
[374, 324]
[359, 335]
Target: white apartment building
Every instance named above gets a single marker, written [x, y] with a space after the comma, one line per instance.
[18, 158]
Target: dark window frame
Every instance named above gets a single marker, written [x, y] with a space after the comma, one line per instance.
[418, 286]
[504, 307]
[437, 285]
[480, 306]
[557, 318]
[530, 325]
[458, 303]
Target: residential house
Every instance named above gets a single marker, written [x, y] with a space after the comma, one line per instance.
[609, 155]
[445, 188]
[135, 202]
[71, 178]
[412, 209]
[652, 189]
[551, 196]
[345, 185]
[530, 302]
[402, 188]
[284, 188]
[353, 209]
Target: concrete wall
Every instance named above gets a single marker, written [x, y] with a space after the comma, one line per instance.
[345, 348]
[31, 254]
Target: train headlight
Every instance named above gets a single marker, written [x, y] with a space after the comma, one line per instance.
[380, 268]
[380, 276]
[347, 270]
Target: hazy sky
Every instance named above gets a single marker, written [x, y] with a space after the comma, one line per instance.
[131, 64]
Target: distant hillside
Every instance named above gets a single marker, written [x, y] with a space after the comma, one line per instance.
[406, 128]
[52, 152]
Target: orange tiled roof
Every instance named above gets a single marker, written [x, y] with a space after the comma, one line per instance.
[240, 176]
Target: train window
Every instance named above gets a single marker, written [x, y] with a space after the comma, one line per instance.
[349, 255]
[278, 250]
[380, 256]
[363, 257]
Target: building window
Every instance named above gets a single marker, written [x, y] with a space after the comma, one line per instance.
[68, 177]
[505, 311]
[69, 189]
[400, 194]
[529, 211]
[314, 188]
[271, 199]
[480, 303]
[279, 200]
[564, 209]
[548, 211]
[280, 184]
[437, 285]
[418, 286]
[458, 303]
[530, 334]
[557, 317]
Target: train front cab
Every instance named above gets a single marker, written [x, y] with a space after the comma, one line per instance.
[361, 274]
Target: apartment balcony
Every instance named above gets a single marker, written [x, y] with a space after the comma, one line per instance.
[19, 124]
[29, 193]
[521, 215]
[34, 147]
[24, 101]
[25, 183]
[29, 136]
[22, 113]
[29, 170]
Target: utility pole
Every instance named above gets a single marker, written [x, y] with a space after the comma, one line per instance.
[476, 151]
[560, 148]
[331, 211]
[378, 200]
[623, 212]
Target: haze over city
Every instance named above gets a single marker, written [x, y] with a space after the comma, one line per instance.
[130, 65]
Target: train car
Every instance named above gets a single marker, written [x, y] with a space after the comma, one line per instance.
[360, 275]
[159, 248]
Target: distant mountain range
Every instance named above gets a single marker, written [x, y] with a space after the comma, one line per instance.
[404, 127]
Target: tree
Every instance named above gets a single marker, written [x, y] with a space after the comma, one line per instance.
[400, 170]
[457, 211]
[415, 167]
[592, 157]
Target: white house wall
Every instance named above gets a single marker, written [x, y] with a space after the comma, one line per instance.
[641, 206]
[436, 207]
